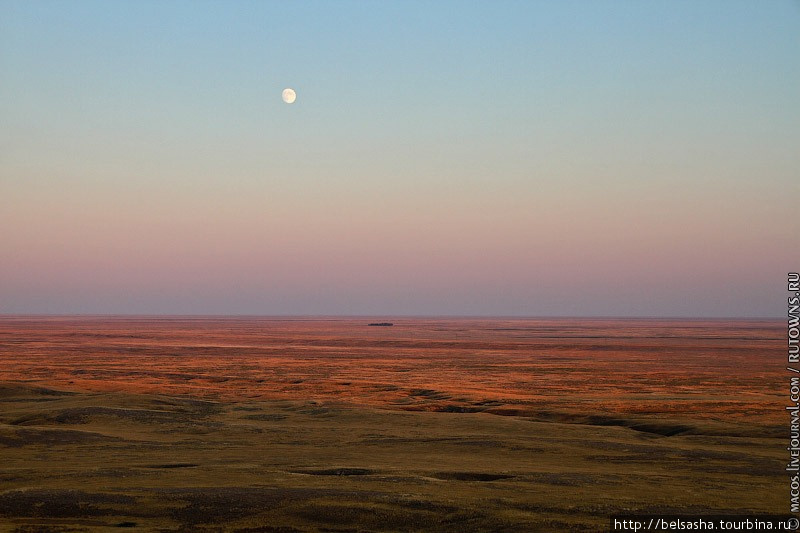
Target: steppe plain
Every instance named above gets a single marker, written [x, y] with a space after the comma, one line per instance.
[290, 425]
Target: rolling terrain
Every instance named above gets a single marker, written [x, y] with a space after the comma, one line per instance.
[304, 425]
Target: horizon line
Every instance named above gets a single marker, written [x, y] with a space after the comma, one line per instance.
[383, 316]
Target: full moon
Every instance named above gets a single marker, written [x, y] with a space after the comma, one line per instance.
[289, 96]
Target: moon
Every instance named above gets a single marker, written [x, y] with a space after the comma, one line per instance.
[289, 96]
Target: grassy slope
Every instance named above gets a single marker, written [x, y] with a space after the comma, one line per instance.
[99, 461]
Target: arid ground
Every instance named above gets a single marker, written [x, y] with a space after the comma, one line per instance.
[454, 425]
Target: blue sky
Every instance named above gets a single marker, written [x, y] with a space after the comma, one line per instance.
[442, 157]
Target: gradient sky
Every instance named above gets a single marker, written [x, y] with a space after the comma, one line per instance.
[584, 158]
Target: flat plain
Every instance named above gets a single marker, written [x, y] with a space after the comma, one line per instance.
[327, 424]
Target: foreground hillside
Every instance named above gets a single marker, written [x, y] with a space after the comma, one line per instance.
[95, 461]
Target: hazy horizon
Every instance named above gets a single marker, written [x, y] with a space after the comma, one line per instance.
[391, 316]
[522, 159]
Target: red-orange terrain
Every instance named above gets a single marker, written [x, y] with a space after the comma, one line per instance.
[727, 370]
[432, 424]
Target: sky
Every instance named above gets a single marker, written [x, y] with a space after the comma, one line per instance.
[514, 158]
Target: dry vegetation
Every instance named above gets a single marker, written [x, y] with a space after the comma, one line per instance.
[430, 425]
